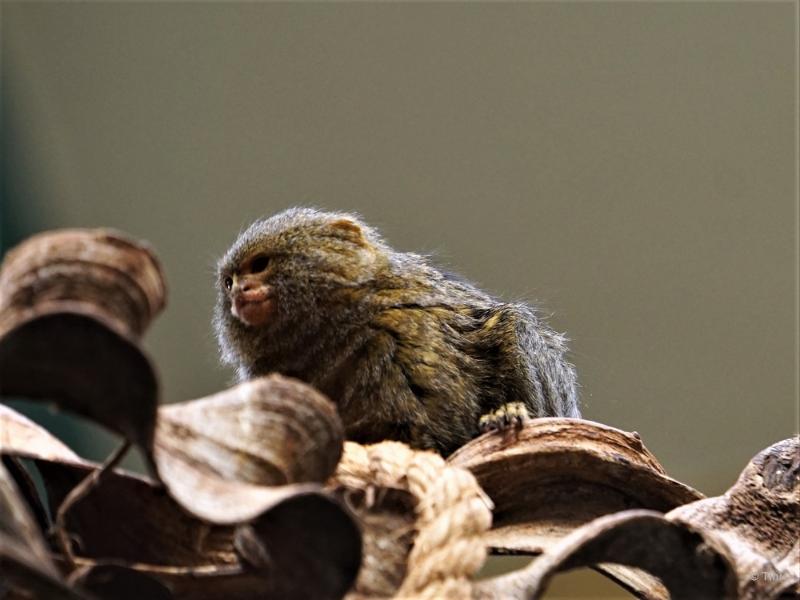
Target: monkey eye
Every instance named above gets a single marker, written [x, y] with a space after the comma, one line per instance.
[259, 263]
[228, 283]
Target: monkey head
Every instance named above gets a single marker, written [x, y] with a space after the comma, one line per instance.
[289, 274]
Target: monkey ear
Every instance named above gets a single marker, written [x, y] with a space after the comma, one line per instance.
[349, 230]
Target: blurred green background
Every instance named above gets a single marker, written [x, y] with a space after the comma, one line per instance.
[628, 166]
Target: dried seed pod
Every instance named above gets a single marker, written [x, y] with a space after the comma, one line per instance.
[314, 547]
[25, 565]
[689, 564]
[759, 519]
[129, 519]
[226, 458]
[743, 544]
[131, 522]
[220, 456]
[20, 436]
[269, 431]
[110, 275]
[73, 305]
[423, 521]
[555, 474]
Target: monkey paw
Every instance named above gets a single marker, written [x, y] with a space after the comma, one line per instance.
[508, 415]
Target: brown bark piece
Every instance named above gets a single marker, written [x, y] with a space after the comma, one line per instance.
[22, 437]
[132, 521]
[743, 544]
[73, 305]
[119, 279]
[269, 431]
[555, 474]
[25, 563]
[683, 559]
[254, 456]
[759, 519]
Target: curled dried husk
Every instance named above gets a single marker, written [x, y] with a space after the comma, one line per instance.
[116, 278]
[73, 305]
[254, 457]
[226, 457]
[554, 474]
[743, 544]
[130, 521]
[759, 520]
[25, 564]
[268, 431]
[681, 559]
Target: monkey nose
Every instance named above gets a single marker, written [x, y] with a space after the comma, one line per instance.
[252, 303]
[251, 290]
[247, 285]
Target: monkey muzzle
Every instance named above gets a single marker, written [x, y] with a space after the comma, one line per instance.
[252, 305]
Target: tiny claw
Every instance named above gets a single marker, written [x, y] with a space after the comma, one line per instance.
[510, 414]
[485, 423]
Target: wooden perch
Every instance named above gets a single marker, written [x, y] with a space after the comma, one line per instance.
[743, 544]
[758, 520]
[553, 475]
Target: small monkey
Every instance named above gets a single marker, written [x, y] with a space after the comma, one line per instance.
[407, 352]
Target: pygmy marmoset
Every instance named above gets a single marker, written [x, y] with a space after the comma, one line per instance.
[407, 352]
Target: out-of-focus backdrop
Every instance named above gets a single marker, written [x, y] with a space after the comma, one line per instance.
[629, 166]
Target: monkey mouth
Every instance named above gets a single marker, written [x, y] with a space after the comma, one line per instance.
[253, 309]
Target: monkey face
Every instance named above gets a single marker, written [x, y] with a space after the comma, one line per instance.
[291, 279]
[295, 267]
[252, 299]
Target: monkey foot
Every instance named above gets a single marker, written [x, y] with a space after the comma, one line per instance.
[508, 415]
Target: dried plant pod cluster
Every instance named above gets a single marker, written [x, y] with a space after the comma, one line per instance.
[269, 431]
[237, 508]
[255, 494]
[555, 474]
[73, 306]
[743, 544]
[423, 521]
[129, 520]
[254, 457]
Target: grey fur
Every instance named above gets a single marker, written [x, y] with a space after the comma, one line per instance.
[406, 351]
